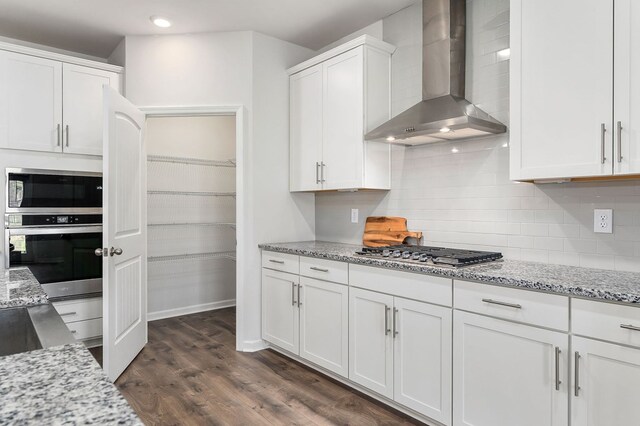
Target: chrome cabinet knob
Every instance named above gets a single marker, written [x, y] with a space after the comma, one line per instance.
[115, 251]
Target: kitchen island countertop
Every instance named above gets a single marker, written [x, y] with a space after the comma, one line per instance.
[617, 286]
[60, 385]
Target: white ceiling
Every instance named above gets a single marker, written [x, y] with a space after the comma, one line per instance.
[95, 27]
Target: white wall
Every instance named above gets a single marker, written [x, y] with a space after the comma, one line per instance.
[239, 68]
[466, 199]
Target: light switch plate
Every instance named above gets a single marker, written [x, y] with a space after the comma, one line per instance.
[354, 215]
[603, 221]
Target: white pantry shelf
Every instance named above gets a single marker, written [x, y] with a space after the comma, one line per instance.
[191, 161]
[193, 193]
[231, 255]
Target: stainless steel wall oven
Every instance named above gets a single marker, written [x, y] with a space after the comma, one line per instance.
[53, 225]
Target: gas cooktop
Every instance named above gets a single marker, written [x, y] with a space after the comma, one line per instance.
[438, 256]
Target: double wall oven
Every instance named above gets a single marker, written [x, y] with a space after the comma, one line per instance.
[53, 224]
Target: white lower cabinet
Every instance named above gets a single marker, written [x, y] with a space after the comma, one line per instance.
[307, 317]
[507, 374]
[401, 349]
[324, 324]
[280, 323]
[605, 384]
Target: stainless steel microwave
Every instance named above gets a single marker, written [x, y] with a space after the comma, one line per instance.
[53, 191]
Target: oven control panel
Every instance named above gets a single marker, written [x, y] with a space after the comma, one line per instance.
[35, 220]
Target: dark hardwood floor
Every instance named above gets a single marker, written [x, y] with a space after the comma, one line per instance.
[190, 374]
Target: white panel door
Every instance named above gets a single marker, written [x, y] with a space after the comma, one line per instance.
[343, 125]
[280, 315]
[124, 233]
[505, 374]
[306, 129]
[82, 105]
[608, 377]
[422, 358]
[561, 88]
[30, 103]
[370, 340]
[627, 87]
[324, 324]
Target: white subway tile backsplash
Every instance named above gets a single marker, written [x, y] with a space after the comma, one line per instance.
[466, 199]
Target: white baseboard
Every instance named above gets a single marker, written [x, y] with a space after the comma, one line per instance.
[169, 313]
[252, 346]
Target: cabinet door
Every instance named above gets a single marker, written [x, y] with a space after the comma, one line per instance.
[343, 125]
[305, 129]
[370, 340]
[505, 373]
[280, 323]
[561, 88]
[324, 324]
[30, 102]
[627, 87]
[422, 358]
[83, 107]
[608, 377]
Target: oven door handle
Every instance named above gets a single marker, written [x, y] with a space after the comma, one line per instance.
[56, 230]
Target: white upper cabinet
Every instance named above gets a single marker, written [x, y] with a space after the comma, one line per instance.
[30, 102]
[51, 102]
[627, 87]
[335, 98]
[562, 88]
[83, 109]
[306, 129]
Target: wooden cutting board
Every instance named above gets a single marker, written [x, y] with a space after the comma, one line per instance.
[380, 231]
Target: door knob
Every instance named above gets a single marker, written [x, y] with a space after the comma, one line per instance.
[115, 251]
[100, 252]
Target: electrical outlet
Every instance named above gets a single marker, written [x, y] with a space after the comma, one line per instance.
[354, 215]
[603, 221]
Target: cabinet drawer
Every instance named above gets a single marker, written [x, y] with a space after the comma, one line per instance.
[545, 310]
[606, 321]
[79, 310]
[86, 329]
[328, 270]
[425, 288]
[281, 262]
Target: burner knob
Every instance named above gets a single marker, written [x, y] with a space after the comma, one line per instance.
[396, 253]
[386, 253]
[406, 254]
[415, 256]
[424, 258]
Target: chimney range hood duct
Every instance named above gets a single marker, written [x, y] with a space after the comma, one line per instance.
[444, 113]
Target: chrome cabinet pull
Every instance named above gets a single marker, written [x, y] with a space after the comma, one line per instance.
[576, 374]
[558, 382]
[619, 132]
[319, 269]
[299, 300]
[630, 327]
[317, 172]
[67, 135]
[395, 327]
[497, 302]
[68, 313]
[281, 262]
[386, 320]
[603, 130]
[293, 294]
[322, 166]
[59, 141]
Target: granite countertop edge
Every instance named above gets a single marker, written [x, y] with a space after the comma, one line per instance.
[609, 285]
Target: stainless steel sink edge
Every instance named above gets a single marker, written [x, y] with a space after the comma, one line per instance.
[49, 326]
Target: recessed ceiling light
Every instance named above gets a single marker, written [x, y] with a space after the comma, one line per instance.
[161, 22]
[455, 150]
[445, 130]
[391, 139]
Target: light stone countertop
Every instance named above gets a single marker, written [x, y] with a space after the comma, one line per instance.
[601, 284]
[18, 288]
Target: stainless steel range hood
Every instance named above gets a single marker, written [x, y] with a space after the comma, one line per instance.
[444, 113]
